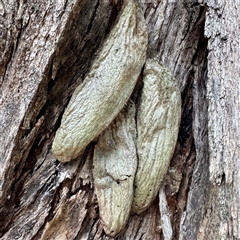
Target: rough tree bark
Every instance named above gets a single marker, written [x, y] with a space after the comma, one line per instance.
[46, 50]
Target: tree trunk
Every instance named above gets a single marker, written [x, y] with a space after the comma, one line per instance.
[47, 49]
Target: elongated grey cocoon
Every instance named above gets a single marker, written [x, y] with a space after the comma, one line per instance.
[108, 86]
[158, 122]
[115, 164]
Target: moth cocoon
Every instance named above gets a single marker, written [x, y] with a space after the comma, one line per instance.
[158, 122]
[108, 86]
[115, 164]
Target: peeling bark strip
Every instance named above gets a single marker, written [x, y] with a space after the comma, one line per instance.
[108, 86]
[157, 123]
[115, 165]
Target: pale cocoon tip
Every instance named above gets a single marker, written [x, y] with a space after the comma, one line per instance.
[115, 165]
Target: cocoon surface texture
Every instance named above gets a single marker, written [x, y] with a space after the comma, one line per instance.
[158, 122]
[115, 165]
[108, 86]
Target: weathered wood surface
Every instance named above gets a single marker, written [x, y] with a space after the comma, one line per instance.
[45, 42]
[47, 48]
[222, 214]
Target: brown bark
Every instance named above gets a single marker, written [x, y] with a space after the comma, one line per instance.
[47, 49]
[221, 217]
